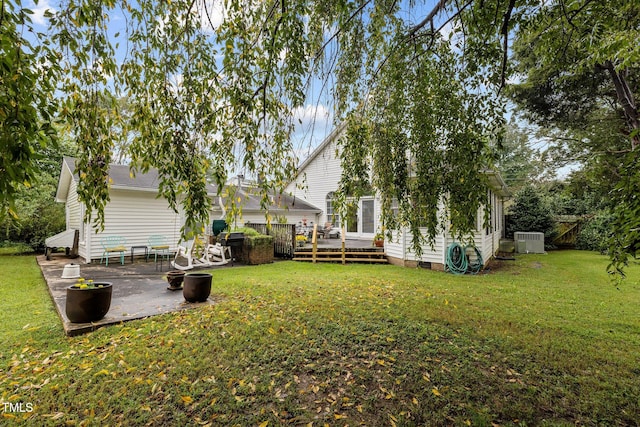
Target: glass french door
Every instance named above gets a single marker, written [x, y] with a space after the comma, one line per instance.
[368, 225]
[362, 223]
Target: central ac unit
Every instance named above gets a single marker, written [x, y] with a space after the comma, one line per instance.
[533, 242]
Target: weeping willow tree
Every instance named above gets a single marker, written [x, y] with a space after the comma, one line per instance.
[421, 142]
[209, 91]
[28, 76]
[197, 89]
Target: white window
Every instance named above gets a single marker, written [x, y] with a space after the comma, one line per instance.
[332, 216]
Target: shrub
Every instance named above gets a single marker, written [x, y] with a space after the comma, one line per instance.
[248, 231]
[594, 234]
[531, 213]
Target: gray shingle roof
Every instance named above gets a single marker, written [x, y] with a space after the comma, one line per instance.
[149, 181]
[250, 200]
[121, 177]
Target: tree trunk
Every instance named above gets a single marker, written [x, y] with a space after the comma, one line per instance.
[626, 99]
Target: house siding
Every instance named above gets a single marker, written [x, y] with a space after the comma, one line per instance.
[321, 174]
[74, 217]
[136, 215]
[320, 177]
[402, 249]
[399, 250]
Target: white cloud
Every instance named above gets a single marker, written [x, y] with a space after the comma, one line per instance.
[212, 14]
[315, 115]
[39, 11]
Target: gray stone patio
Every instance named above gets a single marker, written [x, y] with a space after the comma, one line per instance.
[139, 290]
[139, 287]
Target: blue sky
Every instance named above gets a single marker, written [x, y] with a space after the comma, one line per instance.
[313, 121]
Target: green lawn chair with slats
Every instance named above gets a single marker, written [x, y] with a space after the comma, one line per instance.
[113, 244]
[158, 245]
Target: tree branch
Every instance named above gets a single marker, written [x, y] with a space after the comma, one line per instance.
[2, 11]
[429, 18]
[337, 33]
[625, 97]
[505, 43]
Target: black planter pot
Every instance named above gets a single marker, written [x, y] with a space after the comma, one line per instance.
[175, 279]
[196, 287]
[88, 305]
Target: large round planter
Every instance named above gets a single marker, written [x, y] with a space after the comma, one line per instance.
[196, 287]
[88, 305]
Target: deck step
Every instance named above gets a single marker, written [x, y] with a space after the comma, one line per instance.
[350, 260]
[368, 256]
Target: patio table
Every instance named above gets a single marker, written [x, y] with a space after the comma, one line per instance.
[146, 251]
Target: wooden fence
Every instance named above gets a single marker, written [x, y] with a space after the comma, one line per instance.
[569, 227]
[284, 237]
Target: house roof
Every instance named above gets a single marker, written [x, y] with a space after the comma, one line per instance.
[250, 201]
[496, 182]
[121, 178]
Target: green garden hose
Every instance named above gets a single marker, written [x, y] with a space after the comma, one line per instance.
[461, 260]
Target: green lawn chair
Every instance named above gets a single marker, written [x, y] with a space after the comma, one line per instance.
[113, 244]
[158, 245]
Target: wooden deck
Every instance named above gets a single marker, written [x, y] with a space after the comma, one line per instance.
[331, 250]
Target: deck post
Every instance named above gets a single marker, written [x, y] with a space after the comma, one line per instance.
[343, 237]
[314, 241]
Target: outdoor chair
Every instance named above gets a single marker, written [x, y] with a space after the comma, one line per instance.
[330, 231]
[158, 245]
[113, 244]
[326, 230]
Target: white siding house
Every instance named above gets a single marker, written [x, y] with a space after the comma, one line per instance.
[135, 211]
[318, 178]
[282, 207]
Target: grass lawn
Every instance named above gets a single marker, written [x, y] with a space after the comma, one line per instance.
[545, 340]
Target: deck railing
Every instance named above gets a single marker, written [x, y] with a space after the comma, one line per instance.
[284, 237]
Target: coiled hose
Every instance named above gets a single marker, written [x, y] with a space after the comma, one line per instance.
[461, 260]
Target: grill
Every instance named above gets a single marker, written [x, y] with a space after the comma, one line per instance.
[233, 240]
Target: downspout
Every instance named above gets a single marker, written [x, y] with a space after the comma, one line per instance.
[444, 248]
[494, 207]
[88, 236]
[222, 208]
[404, 246]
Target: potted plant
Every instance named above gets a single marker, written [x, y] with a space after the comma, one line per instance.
[175, 279]
[196, 287]
[88, 301]
[378, 239]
